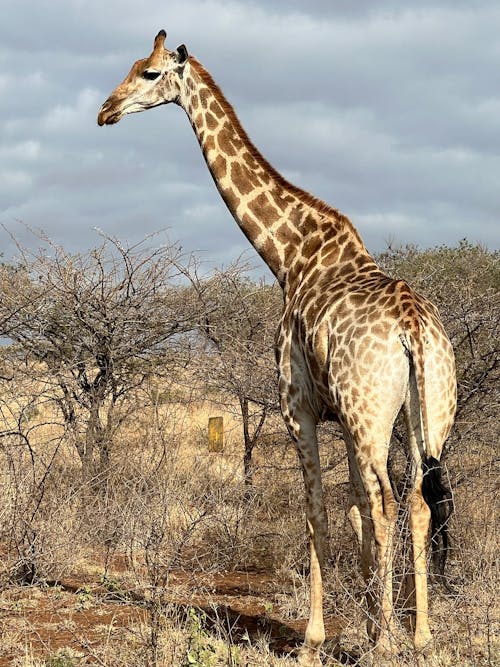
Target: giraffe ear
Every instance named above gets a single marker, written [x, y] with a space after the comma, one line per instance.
[182, 54]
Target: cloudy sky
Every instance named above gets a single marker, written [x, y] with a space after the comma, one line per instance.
[388, 110]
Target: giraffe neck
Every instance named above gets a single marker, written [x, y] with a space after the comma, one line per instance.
[286, 225]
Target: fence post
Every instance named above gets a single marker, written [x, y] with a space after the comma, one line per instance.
[215, 434]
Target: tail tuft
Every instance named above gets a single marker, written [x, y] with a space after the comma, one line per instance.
[439, 499]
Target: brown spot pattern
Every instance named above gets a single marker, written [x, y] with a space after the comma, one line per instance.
[263, 210]
[211, 121]
[345, 335]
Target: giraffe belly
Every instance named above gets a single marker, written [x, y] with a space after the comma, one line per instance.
[358, 374]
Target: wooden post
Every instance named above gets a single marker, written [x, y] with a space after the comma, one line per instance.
[215, 434]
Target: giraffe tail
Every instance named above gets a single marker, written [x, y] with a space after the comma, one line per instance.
[439, 499]
[435, 492]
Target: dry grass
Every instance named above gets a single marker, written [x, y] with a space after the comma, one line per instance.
[148, 559]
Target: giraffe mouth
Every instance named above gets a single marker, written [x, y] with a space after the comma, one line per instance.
[108, 116]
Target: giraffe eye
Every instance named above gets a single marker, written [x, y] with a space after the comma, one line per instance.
[150, 75]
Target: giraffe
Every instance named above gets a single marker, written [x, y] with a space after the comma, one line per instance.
[353, 345]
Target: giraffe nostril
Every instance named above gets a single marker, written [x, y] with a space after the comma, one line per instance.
[105, 106]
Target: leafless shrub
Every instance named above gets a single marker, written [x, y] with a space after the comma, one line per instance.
[237, 359]
[168, 508]
[37, 485]
[97, 325]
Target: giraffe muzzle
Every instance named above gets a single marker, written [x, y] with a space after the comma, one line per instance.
[108, 114]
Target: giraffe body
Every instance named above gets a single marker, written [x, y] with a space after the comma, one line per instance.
[352, 342]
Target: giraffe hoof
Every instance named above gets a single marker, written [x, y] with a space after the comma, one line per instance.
[386, 649]
[309, 657]
[424, 644]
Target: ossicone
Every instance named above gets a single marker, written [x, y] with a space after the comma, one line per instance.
[160, 39]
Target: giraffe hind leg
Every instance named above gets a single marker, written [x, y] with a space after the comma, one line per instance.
[360, 518]
[429, 505]
[383, 509]
[416, 596]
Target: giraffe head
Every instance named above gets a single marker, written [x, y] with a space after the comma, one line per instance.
[151, 81]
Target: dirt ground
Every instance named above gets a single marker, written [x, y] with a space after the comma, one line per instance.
[80, 615]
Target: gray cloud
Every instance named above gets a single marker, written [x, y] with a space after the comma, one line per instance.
[391, 114]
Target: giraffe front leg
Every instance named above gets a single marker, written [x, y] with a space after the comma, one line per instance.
[309, 654]
[303, 430]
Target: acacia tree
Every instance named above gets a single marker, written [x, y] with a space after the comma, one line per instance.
[238, 327]
[99, 324]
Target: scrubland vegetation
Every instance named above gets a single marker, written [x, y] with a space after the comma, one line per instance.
[124, 541]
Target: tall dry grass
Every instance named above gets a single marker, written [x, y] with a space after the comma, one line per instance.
[169, 510]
